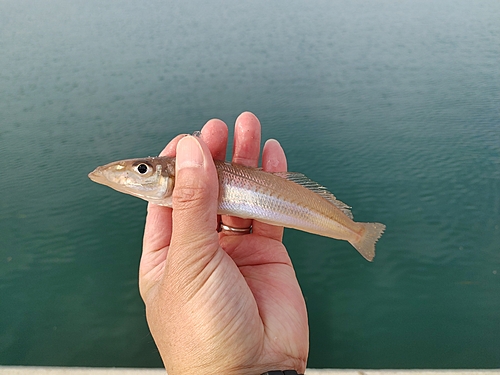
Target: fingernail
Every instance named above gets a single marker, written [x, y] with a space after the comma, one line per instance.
[189, 153]
[272, 140]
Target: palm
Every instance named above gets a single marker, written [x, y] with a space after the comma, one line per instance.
[279, 312]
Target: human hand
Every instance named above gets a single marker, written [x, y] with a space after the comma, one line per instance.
[220, 303]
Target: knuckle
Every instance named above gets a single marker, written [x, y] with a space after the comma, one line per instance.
[188, 196]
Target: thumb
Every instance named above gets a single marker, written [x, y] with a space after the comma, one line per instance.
[194, 207]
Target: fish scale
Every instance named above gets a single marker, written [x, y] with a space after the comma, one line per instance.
[284, 198]
[267, 197]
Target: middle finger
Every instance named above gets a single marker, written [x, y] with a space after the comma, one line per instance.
[246, 151]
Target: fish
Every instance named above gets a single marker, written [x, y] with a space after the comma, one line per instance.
[287, 199]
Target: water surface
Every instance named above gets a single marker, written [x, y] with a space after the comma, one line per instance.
[392, 105]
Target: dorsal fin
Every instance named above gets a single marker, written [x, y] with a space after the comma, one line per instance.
[306, 182]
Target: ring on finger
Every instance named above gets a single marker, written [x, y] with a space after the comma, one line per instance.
[229, 229]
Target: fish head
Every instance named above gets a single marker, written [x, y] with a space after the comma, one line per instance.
[151, 179]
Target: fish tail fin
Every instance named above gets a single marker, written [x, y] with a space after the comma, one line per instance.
[366, 244]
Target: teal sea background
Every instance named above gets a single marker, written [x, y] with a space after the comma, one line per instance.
[393, 105]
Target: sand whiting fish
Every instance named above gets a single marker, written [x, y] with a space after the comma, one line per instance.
[286, 199]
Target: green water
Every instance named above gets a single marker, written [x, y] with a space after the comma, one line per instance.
[394, 105]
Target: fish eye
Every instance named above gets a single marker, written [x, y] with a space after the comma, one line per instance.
[142, 168]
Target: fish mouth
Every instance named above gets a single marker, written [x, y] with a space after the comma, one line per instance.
[97, 176]
[101, 175]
